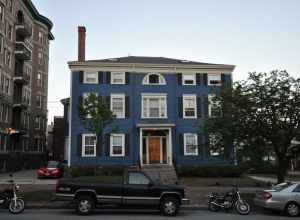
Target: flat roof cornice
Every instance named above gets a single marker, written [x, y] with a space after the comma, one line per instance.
[75, 65]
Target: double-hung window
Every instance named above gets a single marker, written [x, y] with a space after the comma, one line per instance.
[89, 145]
[118, 78]
[214, 107]
[189, 106]
[117, 145]
[214, 79]
[118, 105]
[188, 79]
[90, 77]
[154, 106]
[190, 144]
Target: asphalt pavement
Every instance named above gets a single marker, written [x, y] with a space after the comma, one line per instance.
[50, 214]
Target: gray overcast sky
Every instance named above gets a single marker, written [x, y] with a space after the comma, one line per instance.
[256, 35]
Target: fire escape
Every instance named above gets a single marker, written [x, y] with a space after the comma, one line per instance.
[21, 100]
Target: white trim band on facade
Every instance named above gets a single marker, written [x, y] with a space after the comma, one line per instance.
[155, 125]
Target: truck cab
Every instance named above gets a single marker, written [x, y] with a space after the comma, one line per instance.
[122, 188]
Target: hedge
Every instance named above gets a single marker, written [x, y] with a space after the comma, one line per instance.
[77, 171]
[210, 171]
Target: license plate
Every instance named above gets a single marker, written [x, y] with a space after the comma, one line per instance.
[47, 174]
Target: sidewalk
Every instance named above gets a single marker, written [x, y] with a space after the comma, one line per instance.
[26, 177]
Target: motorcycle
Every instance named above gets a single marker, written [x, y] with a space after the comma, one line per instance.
[10, 200]
[231, 200]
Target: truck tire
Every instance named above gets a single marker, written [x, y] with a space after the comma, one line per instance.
[169, 206]
[85, 205]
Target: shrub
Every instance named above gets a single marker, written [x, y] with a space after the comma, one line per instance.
[210, 171]
[77, 171]
[259, 168]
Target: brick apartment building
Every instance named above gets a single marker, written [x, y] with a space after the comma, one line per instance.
[24, 55]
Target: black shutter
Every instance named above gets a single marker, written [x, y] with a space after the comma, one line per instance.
[199, 112]
[79, 145]
[179, 78]
[204, 76]
[181, 144]
[127, 107]
[100, 77]
[107, 144]
[180, 107]
[80, 100]
[198, 79]
[205, 103]
[107, 101]
[199, 143]
[81, 76]
[127, 78]
[99, 146]
[223, 80]
[108, 77]
[127, 144]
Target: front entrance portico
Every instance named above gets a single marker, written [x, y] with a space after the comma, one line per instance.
[155, 145]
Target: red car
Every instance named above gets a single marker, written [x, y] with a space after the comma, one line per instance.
[53, 169]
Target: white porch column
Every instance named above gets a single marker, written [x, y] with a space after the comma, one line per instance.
[141, 146]
[170, 156]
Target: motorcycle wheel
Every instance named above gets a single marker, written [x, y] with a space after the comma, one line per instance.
[16, 207]
[212, 207]
[243, 208]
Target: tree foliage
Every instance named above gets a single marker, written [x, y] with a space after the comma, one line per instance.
[94, 114]
[261, 113]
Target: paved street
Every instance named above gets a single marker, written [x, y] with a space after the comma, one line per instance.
[132, 215]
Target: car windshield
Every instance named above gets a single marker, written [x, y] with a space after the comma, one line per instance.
[52, 164]
[281, 186]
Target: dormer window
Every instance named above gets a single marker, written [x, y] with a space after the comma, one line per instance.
[154, 79]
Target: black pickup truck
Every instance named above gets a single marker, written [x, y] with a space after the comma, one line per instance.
[122, 188]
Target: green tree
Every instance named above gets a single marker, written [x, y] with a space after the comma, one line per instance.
[259, 113]
[94, 114]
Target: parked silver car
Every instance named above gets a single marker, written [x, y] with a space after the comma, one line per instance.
[283, 197]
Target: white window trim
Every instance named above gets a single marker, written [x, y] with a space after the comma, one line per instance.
[90, 72]
[210, 97]
[83, 145]
[184, 143]
[161, 81]
[183, 104]
[112, 96]
[208, 79]
[183, 81]
[111, 154]
[113, 75]
[153, 95]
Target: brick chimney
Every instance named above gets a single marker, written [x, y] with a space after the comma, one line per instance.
[81, 43]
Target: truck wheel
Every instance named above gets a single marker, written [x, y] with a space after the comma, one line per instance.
[169, 206]
[85, 205]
